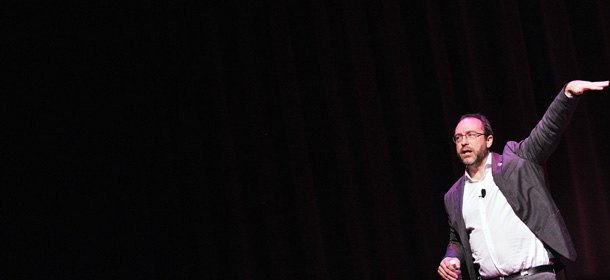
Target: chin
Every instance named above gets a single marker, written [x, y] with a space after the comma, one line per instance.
[475, 160]
[468, 162]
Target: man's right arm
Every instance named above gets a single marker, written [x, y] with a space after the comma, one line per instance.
[449, 268]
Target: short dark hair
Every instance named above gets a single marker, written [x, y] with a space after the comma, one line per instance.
[483, 119]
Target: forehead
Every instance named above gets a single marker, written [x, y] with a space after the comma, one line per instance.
[469, 124]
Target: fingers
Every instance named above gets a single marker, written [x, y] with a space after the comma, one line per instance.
[455, 263]
[598, 85]
[446, 275]
[447, 268]
[578, 87]
[595, 85]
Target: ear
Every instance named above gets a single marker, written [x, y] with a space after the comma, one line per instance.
[489, 141]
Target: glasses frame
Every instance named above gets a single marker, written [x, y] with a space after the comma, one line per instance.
[470, 136]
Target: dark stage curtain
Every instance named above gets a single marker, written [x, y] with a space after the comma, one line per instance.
[282, 139]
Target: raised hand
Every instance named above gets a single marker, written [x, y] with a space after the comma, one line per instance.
[578, 87]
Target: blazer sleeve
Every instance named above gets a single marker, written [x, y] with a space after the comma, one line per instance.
[454, 247]
[543, 139]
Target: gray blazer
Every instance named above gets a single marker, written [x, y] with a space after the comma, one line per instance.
[519, 174]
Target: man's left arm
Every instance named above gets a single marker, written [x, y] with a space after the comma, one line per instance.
[545, 136]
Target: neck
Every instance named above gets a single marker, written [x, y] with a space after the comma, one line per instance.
[477, 169]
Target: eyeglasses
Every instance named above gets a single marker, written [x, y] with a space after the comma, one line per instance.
[470, 136]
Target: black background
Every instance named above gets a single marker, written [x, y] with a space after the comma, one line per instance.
[281, 140]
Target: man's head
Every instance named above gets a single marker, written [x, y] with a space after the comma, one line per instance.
[473, 137]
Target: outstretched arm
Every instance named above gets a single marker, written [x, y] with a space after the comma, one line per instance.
[544, 137]
[575, 88]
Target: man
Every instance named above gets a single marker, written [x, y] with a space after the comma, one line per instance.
[503, 221]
